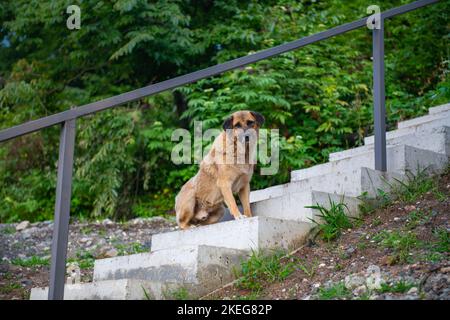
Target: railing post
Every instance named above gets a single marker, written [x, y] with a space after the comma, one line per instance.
[379, 112]
[62, 211]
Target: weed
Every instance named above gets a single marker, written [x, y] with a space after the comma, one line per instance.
[250, 296]
[415, 186]
[308, 269]
[86, 230]
[369, 205]
[443, 237]
[376, 221]
[84, 259]
[146, 295]
[261, 268]
[34, 261]
[131, 248]
[8, 230]
[417, 217]
[338, 267]
[8, 288]
[336, 291]
[179, 294]
[400, 286]
[400, 242]
[333, 220]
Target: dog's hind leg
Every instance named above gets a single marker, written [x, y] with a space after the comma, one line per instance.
[244, 196]
[185, 206]
[215, 216]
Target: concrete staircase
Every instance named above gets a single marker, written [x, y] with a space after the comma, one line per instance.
[202, 259]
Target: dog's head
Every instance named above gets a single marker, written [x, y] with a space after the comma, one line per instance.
[243, 124]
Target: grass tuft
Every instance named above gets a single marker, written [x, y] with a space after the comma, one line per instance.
[333, 220]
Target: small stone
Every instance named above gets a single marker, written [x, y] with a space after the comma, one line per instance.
[388, 260]
[107, 222]
[111, 253]
[413, 290]
[349, 252]
[322, 265]
[23, 225]
[353, 281]
[305, 280]
[360, 290]
[410, 208]
[316, 285]
[445, 270]
[84, 240]
[396, 219]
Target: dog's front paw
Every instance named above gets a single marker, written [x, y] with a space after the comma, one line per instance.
[239, 216]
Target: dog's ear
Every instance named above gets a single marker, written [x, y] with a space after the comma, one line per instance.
[259, 117]
[228, 123]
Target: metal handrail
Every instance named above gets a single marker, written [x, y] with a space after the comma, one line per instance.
[67, 120]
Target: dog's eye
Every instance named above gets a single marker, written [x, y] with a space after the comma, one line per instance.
[238, 125]
[250, 123]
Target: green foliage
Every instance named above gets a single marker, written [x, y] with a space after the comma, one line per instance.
[443, 240]
[131, 248]
[415, 186]
[402, 243]
[34, 261]
[319, 96]
[178, 294]
[417, 217]
[400, 286]
[335, 291]
[332, 220]
[263, 268]
[85, 259]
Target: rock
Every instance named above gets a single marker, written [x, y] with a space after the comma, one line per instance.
[410, 208]
[353, 281]
[445, 270]
[374, 279]
[413, 290]
[31, 231]
[360, 290]
[107, 222]
[84, 240]
[349, 252]
[111, 253]
[388, 260]
[23, 225]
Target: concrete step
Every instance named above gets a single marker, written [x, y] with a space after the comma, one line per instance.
[291, 205]
[400, 158]
[256, 233]
[351, 183]
[439, 109]
[198, 268]
[418, 129]
[422, 120]
[124, 289]
[436, 140]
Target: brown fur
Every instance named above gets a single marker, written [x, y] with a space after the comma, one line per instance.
[201, 200]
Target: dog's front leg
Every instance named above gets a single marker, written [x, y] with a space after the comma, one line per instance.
[227, 193]
[244, 196]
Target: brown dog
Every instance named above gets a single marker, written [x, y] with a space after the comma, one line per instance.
[223, 172]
